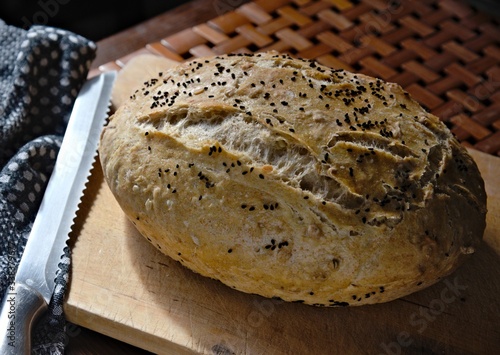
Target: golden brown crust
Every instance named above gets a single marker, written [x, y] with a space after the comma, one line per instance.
[288, 179]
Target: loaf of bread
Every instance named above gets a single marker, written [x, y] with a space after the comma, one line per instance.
[288, 179]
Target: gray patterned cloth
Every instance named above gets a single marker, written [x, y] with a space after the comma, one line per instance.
[41, 72]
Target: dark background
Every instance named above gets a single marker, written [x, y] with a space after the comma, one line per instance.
[92, 19]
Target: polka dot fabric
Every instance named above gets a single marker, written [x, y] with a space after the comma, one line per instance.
[41, 72]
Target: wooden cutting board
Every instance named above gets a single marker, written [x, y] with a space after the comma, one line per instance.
[123, 287]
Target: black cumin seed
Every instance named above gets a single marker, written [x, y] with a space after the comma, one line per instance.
[230, 251]
[261, 176]
[251, 208]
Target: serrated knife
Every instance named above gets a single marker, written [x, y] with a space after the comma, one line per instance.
[28, 297]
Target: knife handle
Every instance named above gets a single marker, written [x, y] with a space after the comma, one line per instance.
[21, 307]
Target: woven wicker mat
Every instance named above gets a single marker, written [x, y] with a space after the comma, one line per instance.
[445, 53]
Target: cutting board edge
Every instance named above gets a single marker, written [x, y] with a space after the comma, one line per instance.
[124, 332]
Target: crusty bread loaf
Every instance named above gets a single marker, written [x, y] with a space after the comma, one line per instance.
[285, 178]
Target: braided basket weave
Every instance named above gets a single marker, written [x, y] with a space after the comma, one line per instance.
[445, 53]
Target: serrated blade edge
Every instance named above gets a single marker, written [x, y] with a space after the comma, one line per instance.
[54, 220]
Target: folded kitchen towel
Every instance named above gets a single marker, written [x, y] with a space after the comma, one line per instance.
[41, 72]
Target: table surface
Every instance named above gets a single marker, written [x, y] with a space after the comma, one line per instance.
[81, 340]
[185, 16]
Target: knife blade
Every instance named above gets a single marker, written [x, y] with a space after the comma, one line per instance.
[28, 297]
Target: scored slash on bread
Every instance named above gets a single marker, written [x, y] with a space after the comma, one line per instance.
[285, 178]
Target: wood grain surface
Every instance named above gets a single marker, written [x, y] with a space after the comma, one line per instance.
[123, 287]
[133, 39]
